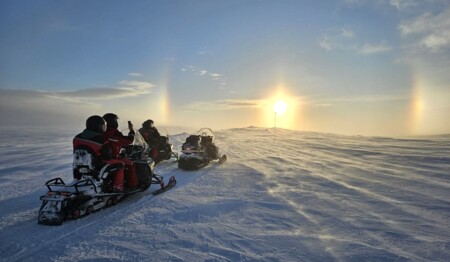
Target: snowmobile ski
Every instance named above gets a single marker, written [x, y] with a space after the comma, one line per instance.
[222, 159]
[168, 186]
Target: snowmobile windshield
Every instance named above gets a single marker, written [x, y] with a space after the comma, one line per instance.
[139, 140]
[163, 131]
[205, 132]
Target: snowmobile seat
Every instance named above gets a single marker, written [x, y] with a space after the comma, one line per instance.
[192, 141]
[206, 140]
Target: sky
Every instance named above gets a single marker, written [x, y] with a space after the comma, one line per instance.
[355, 67]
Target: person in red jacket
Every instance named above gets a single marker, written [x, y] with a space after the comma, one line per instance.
[118, 141]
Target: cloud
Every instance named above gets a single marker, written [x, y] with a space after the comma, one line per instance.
[369, 49]
[337, 39]
[376, 98]
[326, 43]
[355, 2]
[135, 74]
[227, 104]
[403, 4]
[25, 108]
[60, 107]
[216, 76]
[431, 31]
[345, 39]
[232, 104]
[126, 89]
[203, 73]
[347, 33]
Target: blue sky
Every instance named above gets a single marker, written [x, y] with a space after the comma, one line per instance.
[347, 66]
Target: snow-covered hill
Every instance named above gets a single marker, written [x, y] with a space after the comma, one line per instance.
[299, 197]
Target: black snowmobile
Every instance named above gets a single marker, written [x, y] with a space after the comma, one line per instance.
[199, 150]
[163, 150]
[93, 190]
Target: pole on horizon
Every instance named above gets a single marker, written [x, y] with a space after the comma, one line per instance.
[278, 108]
[275, 127]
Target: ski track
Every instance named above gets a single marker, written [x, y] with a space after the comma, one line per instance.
[300, 197]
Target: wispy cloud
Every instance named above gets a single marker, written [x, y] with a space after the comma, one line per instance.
[345, 39]
[403, 4]
[347, 33]
[233, 104]
[354, 2]
[86, 96]
[376, 98]
[28, 106]
[326, 43]
[204, 73]
[125, 89]
[216, 76]
[370, 49]
[337, 39]
[135, 74]
[431, 31]
[227, 104]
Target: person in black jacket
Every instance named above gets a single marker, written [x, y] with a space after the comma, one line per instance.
[91, 141]
[149, 133]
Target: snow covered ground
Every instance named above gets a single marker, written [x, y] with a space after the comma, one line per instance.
[302, 197]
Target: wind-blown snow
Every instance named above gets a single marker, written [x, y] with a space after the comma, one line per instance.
[301, 197]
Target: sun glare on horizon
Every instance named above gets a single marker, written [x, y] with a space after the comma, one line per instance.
[280, 107]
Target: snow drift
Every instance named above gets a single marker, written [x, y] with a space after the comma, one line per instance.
[299, 197]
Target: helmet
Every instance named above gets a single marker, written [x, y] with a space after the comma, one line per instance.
[96, 124]
[111, 120]
[147, 124]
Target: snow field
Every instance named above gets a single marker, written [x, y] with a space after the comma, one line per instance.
[299, 197]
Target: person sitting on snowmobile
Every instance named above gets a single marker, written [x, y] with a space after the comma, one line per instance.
[151, 136]
[119, 141]
[149, 132]
[92, 140]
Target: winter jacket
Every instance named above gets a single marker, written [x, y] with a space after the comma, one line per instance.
[117, 140]
[90, 139]
[150, 135]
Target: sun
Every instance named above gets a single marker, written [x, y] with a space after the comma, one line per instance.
[280, 107]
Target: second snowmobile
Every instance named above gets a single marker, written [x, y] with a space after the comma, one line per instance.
[199, 150]
[163, 150]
